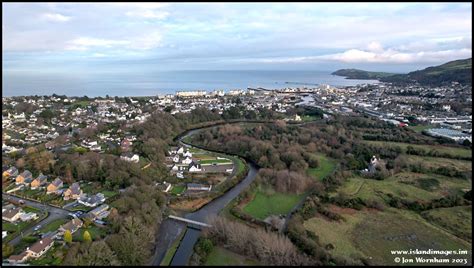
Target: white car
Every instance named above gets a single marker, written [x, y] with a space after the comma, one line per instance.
[37, 228]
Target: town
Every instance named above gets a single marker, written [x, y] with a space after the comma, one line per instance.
[42, 211]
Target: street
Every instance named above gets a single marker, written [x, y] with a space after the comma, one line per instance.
[54, 214]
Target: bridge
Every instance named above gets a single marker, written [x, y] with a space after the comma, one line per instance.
[201, 224]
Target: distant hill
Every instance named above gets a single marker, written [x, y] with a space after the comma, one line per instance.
[453, 71]
[361, 74]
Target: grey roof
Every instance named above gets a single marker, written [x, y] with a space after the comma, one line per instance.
[26, 174]
[57, 182]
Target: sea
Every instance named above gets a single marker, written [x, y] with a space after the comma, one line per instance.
[164, 82]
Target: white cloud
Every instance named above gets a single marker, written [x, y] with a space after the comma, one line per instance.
[144, 42]
[395, 56]
[148, 14]
[55, 17]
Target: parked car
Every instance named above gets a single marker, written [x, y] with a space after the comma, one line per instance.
[37, 228]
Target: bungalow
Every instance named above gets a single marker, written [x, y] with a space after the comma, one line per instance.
[40, 247]
[198, 187]
[20, 258]
[55, 186]
[91, 201]
[130, 157]
[11, 172]
[39, 181]
[12, 214]
[28, 216]
[20, 179]
[72, 225]
[73, 192]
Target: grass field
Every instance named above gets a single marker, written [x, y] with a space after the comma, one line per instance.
[264, 205]
[221, 256]
[453, 151]
[326, 166]
[373, 234]
[435, 162]
[406, 185]
[420, 128]
[456, 220]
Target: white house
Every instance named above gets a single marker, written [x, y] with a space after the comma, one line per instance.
[187, 161]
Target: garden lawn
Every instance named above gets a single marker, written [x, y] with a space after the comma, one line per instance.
[263, 205]
[178, 189]
[53, 226]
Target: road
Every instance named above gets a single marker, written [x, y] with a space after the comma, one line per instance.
[54, 213]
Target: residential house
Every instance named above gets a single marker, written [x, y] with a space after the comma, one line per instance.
[39, 181]
[72, 225]
[187, 154]
[20, 258]
[73, 192]
[11, 172]
[28, 216]
[54, 186]
[40, 247]
[180, 167]
[24, 177]
[130, 157]
[12, 215]
[99, 212]
[194, 167]
[91, 201]
[187, 161]
[125, 145]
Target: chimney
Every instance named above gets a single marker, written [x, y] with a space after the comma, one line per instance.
[41, 242]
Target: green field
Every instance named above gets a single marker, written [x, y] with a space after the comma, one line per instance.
[373, 234]
[456, 220]
[406, 185]
[435, 162]
[326, 166]
[264, 205]
[453, 151]
[420, 128]
[178, 189]
[221, 256]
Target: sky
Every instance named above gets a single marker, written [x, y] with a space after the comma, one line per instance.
[54, 38]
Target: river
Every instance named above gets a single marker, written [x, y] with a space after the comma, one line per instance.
[170, 229]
